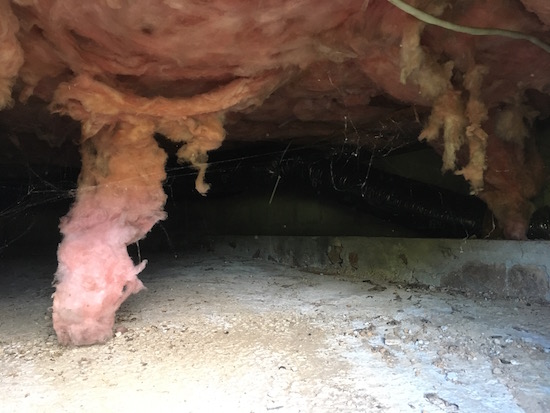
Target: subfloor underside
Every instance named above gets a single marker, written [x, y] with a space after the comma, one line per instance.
[233, 333]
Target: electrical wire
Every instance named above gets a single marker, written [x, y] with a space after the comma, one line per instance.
[475, 31]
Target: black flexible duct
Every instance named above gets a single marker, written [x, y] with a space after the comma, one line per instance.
[345, 175]
[432, 210]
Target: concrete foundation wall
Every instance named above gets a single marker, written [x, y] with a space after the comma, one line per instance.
[504, 268]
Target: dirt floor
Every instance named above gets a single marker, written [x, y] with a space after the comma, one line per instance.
[216, 333]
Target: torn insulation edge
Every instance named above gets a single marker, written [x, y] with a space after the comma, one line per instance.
[199, 134]
[477, 114]
[456, 121]
[459, 121]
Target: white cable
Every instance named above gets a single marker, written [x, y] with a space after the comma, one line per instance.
[476, 31]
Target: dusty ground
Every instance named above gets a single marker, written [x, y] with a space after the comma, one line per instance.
[225, 334]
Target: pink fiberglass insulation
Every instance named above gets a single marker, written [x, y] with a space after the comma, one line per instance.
[11, 55]
[120, 197]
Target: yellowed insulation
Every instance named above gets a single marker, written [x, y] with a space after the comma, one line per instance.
[476, 137]
[512, 122]
[457, 120]
[199, 134]
[447, 116]
[420, 68]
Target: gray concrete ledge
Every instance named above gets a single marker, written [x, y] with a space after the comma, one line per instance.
[516, 269]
